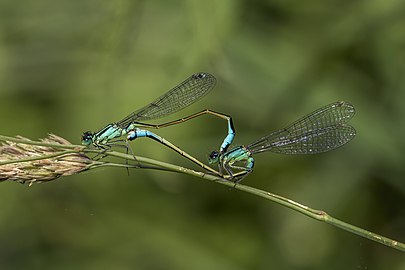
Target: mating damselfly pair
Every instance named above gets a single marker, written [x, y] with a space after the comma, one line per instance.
[320, 131]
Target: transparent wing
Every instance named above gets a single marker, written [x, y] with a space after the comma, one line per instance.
[312, 142]
[181, 96]
[322, 130]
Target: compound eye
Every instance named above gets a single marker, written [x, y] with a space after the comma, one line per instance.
[87, 137]
[214, 154]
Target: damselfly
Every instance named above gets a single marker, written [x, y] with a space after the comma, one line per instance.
[320, 131]
[179, 97]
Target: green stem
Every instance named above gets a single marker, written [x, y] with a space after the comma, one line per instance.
[313, 213]
[323, 216]
[155, 164]
[126, 166]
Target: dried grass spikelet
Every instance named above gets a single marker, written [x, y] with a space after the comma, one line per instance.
[46, 164]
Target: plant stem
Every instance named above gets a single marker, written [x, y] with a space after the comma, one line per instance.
[155, 164]
[313, 213]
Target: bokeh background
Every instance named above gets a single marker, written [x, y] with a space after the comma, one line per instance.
[71, 66]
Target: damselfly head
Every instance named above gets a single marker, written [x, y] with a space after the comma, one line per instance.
[213, 157]
[87, 138]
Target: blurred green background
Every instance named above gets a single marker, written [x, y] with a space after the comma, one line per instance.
[71, 66]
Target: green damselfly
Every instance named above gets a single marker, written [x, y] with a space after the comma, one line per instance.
[179, 97]
[320, 131]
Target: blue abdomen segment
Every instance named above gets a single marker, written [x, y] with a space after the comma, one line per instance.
[139, 133]
[229, 138]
